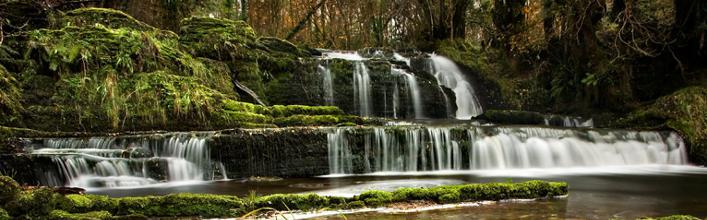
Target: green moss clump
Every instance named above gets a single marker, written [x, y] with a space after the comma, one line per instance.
[673, 217]
[63, 215]
[513, 117]
[375, 197]
[9, 189]
[289, 110]
[245, 107]
[32, 204]
[41, 202]
[298, 201]
[307, 120]
[4, 215]
[104, 16]
[85, 203]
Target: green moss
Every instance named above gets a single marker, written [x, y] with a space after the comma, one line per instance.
[248, 117]
[245, 107]
[107, 17]
[4, 215]
[63, 215]
[219, 39]
[673, 217]
[85, 203]
[10, 105]
[9, 189]
[297, 201]
[32, 204]
[375, 198]
[289, 110]
[41, 202]
[307, 120]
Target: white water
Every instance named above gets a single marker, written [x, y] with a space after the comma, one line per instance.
[129, 162]
[327, 84]
[413, 90]
[362, 89]
[570, 122]
[416, 149]
[449, 75]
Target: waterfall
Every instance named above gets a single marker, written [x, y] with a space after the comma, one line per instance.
[129, 161]
[327, 85]
[449, 75]
[412, 149]
[413, 90]
[362, 89]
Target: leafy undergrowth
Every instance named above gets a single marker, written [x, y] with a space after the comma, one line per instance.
[40, 203]
[101, 70]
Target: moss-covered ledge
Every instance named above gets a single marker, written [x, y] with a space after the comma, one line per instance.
[44, 203]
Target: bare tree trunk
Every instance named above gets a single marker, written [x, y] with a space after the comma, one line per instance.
[304, 20]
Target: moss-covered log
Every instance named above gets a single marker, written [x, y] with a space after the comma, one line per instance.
[43, 202]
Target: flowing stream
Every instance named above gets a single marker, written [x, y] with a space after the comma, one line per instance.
[129, 161]
[413, 149]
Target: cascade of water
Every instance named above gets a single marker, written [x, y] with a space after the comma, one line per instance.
[326, 84]
[480, 148]
[414, 90]
[340, 157]
[128, 161]
[399, 57]
[362, 89]
[570, 122]
[449, 75]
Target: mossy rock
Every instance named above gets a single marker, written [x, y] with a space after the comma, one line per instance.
[673, 217]
[108, 17]
[9, 189]
[64, 215]
[32, 204]
[4, 215]
[684, 111]
[219, 39]
[289, 110]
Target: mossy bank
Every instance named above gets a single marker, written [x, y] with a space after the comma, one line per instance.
[45, 203]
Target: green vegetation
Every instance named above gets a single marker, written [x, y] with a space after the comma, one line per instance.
[97, 69]
[44, 202]
[63, 215]
[4, 215]
[9, 189]
[673, 217]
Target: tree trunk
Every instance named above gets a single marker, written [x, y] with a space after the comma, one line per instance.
[244, 10]
[459, 18]
[304, 20]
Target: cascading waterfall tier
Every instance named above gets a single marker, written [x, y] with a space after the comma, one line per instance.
[411, 149]
[129, 161]
[449, 75]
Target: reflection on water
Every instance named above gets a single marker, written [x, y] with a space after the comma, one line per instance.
[645, 191]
